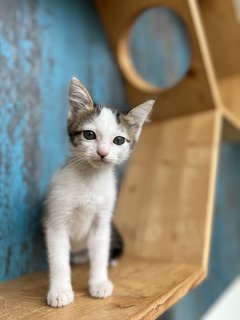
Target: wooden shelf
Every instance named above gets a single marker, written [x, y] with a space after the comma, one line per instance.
[143, 289]
[165, 205]
[164, 213]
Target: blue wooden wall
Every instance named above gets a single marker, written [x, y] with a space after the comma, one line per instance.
[42, 44]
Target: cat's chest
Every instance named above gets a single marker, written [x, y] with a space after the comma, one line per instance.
[90, 201]
[93, 193]
[90, 196]
[80, 222]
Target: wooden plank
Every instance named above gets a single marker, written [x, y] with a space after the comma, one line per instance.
[222, 28]
[196, 92]
[165, 205]
[143, 290]
[223, 34]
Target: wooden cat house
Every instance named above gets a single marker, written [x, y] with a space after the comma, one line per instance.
[165, 207]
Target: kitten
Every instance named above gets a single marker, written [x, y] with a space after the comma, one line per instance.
[82, 195]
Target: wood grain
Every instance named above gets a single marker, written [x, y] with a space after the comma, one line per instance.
[143, 290]
[222, 29]
[165, 206]
[197, 91]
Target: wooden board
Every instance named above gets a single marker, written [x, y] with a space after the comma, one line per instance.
[165, 205]
[221, 23]
[196, 92]
[143, 290]
[222, 27]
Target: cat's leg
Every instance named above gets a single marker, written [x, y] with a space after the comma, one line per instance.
[98, 245]
[60, 290]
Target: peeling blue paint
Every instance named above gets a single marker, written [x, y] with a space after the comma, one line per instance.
[41, 47]
[6, 50]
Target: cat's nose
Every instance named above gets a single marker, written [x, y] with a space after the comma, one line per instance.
[102, 153]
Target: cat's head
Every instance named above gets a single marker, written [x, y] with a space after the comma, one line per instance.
[99, 135]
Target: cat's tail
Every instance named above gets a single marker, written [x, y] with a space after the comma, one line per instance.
[116, 246]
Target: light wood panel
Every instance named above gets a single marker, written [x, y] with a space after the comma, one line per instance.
[143, 290]
[165, 205]
[204, 87]
[196, 92]
[222, 29]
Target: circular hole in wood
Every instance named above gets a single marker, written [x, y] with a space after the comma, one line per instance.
[155, 51]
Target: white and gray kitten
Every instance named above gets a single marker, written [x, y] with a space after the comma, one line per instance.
[80, 203]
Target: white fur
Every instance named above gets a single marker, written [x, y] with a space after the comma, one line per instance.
[79, 209]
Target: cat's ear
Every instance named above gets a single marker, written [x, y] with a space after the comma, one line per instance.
[138, 115]
[79, 99]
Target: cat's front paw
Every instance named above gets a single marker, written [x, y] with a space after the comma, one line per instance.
[59, 297]
[101, 290]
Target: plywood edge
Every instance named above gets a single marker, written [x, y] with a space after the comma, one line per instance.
[223, 32]
[204, 48]
[212, 183]
[168, 299]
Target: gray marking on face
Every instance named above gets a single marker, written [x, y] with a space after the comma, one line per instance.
[76, 123]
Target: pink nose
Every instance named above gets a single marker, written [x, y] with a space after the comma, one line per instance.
[102, 153]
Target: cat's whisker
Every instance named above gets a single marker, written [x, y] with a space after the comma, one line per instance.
[77, 161]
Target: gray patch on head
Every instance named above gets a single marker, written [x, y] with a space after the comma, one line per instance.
[75, 124]
[98, 108]
[117, 115]
[122, 120]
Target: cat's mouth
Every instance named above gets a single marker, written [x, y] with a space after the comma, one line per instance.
[100, 162]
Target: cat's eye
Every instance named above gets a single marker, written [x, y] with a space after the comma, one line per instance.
[89, 135]
[119, 140]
